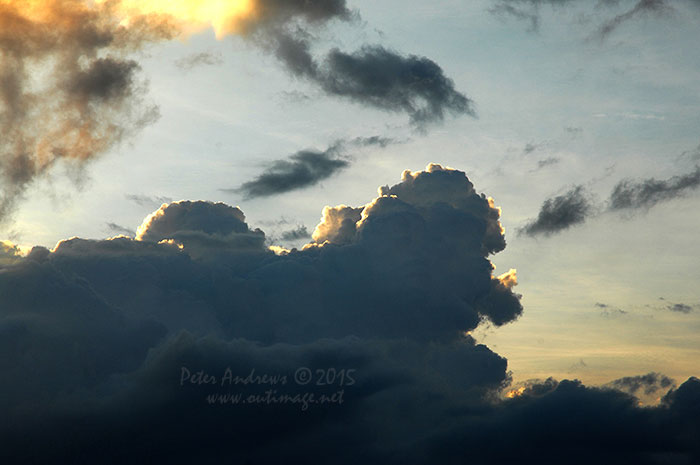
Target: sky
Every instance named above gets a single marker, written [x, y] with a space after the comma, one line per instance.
[272, 185]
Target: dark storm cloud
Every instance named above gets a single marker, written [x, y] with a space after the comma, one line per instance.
[560, 213]
[107, 346]
[651, 383]
[199, 59]
[643, 194]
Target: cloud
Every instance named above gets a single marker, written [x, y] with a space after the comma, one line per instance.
[91, 91]
[575, 206]
[547, 162]
[680, 308]
[302, 169]
[560, 213]
[373, 75]
[295, 234]
[306, 168]
[147, 200]
[117, 349]
[529, 11]
[651, 383]
[506, 9]
[118, 229]
[608, 311]
[632, 194]
[640, 8]
[385, 79]
[91, 87]
[199, 59]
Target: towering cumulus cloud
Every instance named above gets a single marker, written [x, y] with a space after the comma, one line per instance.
[194, 342]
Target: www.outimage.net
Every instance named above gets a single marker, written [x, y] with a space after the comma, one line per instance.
[272, 397]
[319, 379]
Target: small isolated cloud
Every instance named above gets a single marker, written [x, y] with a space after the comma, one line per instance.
[199, 59]
[651, 383]
[578, 366]
[609, 311]
[302, 169]
[148, 200]
[381, 78]
[504, 9]
[306, 168]
[530, 147]
[680, 308]
[637, 194]
[296, 234]
[551, 161]
[115, 228]
[643, 7]
[560, 213]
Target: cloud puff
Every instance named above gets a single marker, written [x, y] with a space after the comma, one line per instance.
[118, 350]
[199, 59]
[560, 213]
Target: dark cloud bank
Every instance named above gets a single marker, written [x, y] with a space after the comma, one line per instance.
[94, 336]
